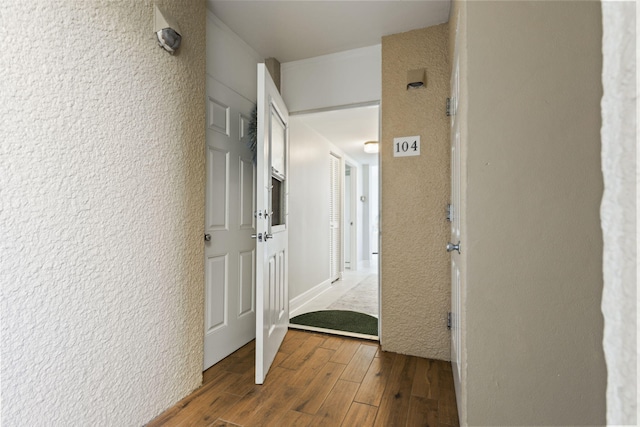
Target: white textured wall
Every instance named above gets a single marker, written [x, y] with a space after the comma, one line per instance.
[619, 209]
[101, 211]
[343, 78]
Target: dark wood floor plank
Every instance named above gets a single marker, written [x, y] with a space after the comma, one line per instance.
[360, 415]
[221, 423]
[315, 394]
[336, 405]
[359, 364]
[426, 382]
[394, 407]
[422, 412]
[293, 340]
[375, 381]
[447, 408]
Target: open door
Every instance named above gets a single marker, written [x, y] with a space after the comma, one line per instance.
[272, 241]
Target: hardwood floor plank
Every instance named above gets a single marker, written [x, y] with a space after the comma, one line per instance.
[295, 419]
[293, 340]
[325, 381]
[250, 402]
[303, 353]
[447, 408]
[422, 412]
[360, 415]
[359, 364]
[345, 352]
[375, 381]
[426, 381]
[315, 394]
[310, 369]
[336, 405]
[209, 410]
[332, 343]
[394, 407]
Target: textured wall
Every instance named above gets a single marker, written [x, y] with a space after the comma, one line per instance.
[101, 211]
[619, 210]
[415, 190]
[534, 243]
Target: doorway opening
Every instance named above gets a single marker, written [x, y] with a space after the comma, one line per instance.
[335, 213]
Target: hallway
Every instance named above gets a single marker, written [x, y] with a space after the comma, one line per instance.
[321, 380]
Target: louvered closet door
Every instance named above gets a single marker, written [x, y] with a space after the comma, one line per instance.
[335, 210]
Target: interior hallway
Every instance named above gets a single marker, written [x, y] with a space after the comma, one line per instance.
[338, 296]
[321, 380]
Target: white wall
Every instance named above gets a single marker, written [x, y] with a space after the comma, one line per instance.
[309, 207]
[101, 195]
[344, 78]
[230, 60]
[619, 210]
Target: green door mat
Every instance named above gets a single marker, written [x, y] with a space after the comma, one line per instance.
[339, 320]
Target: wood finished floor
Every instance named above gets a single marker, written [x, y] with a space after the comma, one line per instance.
[321, 380]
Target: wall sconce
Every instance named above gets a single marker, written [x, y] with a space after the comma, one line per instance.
[371, 147]
[167, 31]
[417, 78]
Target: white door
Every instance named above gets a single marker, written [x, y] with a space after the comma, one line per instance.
[229, 223]
[335, 215]
[455, 246]
[272, 285]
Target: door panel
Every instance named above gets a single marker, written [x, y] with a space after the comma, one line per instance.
[272, 300]
[230, 252]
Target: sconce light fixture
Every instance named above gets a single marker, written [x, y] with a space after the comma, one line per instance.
[167, 31]
[371, 147]
[417, 78]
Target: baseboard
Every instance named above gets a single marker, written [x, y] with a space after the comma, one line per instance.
[296, 303]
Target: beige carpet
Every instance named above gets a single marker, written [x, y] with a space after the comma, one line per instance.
[362, 298]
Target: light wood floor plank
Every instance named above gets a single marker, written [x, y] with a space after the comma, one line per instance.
[345, 352]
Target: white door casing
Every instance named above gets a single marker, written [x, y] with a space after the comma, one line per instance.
[229, 223]
[272, 287]
[335, 217]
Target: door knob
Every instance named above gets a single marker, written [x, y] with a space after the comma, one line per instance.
[207, 237]
[451, 247]
[268, 236]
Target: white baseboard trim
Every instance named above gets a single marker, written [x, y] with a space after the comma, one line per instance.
[296, 303]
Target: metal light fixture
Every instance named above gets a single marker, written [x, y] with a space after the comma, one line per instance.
[167, 31]
[371, 147]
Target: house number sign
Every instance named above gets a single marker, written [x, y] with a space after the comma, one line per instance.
[406, 146]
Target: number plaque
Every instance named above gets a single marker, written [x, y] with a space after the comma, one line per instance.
[406, 146]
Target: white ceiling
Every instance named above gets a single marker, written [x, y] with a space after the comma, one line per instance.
[293, 30]
[348, 129]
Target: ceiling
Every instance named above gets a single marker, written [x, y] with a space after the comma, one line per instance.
[348, 129]
[293, 30]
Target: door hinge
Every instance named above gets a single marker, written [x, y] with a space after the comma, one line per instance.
[449, 320]
[449, 212]
[448, 107]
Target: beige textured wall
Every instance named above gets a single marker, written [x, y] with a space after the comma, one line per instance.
[101, 211]
[534, 243]
[415, 190]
